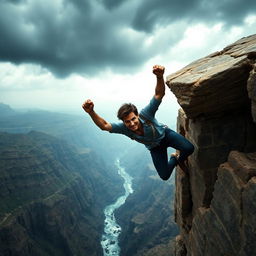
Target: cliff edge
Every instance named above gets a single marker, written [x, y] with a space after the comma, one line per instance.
[215, 205]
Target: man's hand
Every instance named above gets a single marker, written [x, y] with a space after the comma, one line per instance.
[88, 106]
[158, 71]
[99, 121]
[160, 85]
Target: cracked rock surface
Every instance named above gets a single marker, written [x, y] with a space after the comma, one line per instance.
[215, 204]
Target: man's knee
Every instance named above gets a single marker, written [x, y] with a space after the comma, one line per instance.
[192, 148]
[164, 177]
[189, 149]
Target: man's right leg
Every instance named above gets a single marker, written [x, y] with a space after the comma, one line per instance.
[179, 142]
[161, 163]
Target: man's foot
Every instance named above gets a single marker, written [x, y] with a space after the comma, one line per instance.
[176, 155]
[182, 165]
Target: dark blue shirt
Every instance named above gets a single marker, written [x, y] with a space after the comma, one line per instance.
[152, 135]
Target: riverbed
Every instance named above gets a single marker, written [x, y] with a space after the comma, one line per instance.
[112, 230]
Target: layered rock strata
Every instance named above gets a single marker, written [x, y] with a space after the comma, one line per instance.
[214, 204]
[51, 197]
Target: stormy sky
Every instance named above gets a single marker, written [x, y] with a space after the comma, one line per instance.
[56, 53]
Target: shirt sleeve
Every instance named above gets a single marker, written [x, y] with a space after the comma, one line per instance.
[117, 128]
[150, 110]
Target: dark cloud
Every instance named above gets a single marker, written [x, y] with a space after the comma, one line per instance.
[111, 4]
[86, 36]
[66, 38]
[150, 13]
[12, 1]
[231, 12]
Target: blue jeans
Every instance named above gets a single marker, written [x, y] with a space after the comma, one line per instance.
[160, 157]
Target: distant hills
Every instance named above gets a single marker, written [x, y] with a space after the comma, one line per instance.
[6, 110]
[77, 130]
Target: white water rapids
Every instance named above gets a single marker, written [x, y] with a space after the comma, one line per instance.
[112, 230]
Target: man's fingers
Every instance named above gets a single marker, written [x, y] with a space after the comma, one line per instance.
[87, 104]
[158, 68]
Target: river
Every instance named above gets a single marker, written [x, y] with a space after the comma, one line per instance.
[112, 230]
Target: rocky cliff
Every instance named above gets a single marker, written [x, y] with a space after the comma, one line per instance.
[215, 204]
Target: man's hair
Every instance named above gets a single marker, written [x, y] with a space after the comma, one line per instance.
[125, 110]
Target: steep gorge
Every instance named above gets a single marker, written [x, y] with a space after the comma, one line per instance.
[146, 218]
[215, 204]
[51, 197]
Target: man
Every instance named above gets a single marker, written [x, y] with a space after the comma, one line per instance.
[144, 128]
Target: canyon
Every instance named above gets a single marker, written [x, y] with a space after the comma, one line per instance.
[51, 197]
[57, 178]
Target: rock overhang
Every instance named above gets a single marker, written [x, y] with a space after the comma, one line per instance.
[217, 81]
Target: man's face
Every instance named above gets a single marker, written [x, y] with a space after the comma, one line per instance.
[132, 122]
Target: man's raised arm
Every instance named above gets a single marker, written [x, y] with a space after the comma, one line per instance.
[88, 107]
[160, 85]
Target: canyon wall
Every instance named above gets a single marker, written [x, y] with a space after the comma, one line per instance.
[215, 204]
[51, 197]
